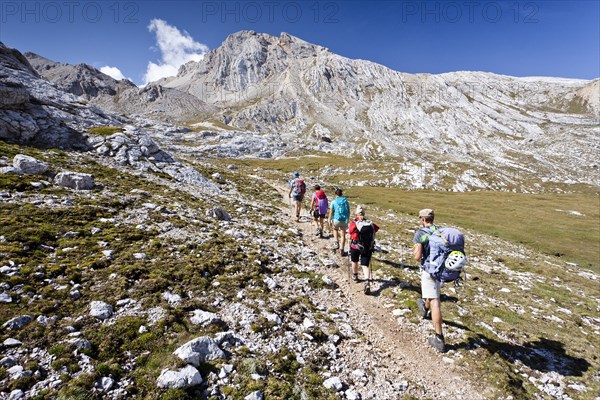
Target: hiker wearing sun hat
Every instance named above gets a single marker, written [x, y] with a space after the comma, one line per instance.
[430, 287]
[362, 235]
[297, 190]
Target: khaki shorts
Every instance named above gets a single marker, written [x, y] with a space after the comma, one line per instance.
[430, 288]
[340, 225]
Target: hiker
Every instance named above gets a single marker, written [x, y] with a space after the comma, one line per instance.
[430, 287]
[339, 214]
[362, 235]
[297, 190]
[319, 206]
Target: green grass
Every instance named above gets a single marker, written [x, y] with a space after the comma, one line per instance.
[105, 130]
[522, 218]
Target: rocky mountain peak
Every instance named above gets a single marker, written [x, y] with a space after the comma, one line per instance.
[12, 58]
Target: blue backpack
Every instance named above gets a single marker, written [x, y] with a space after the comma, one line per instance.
[342, 208]
[446, 258]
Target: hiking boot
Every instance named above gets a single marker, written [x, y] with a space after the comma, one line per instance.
[342, 253]
[437, 342]
[297, 218]
[337, 245]
[318, 232]
[367, 288]
[355, 277]
[422, 309]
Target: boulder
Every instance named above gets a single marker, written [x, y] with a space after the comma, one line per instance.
[100, 310]
[28, 165]
[75, 180]
[18, 322]
[333, 383]
[202, 317]
[219, 214]
[199, 350]
[184, 378]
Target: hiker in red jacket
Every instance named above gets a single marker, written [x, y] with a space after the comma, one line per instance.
[362, 235]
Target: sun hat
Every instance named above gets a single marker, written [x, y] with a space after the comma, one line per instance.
[426, 213]
[360, 210]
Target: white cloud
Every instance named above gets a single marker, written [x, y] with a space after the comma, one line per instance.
[176, 49]
[113, 72]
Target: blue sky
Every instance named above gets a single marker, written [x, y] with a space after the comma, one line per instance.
[520, 38]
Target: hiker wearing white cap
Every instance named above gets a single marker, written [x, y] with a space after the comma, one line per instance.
[362, 235]
[430, 287]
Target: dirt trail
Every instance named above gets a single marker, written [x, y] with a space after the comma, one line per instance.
[432, 375]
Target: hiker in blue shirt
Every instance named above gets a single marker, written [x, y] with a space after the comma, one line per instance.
[339, 214]
[430, 287]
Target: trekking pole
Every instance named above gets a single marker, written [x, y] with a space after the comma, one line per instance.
[348, 265]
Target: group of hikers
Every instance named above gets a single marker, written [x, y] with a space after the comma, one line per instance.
[439, 251]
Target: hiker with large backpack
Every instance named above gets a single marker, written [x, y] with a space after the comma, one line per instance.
[362, 235]
[442, 256]
[297, 191]
[319, 206]
[339, 214]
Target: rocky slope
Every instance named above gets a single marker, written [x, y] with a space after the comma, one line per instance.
[120, 96]
[33, 111]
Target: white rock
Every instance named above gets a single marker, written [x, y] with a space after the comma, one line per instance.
[185, 377]
[333, 383]
[16, 395]
[272, 317]
[352, 394]
[75, 180]
[5, 298]
[172, 298]
[254, 396]
[106, 383]
[327, 280]
[400, 312]
[307, 323]
[108, 253]
[140, 256]
[497, 320]
[10, 342]
[95, 231]
[199, 350]
[225, 370]
[81, 344]
[202, 317]
[270, 282]
[29, 165]
[101, 310]
[142, 329]
[504, 290]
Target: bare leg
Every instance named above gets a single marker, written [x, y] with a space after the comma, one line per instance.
[354, 267]
[436, 315]
[343, 235]
[366, 272]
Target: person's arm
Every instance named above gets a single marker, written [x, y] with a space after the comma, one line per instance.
[291, 188]
[351, 229]
[417, 251]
